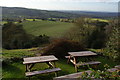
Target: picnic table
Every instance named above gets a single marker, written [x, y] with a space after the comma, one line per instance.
[49, 60]
[73, 58]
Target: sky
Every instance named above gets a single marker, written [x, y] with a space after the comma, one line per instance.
[82, 5]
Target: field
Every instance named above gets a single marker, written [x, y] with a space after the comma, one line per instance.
[102, 20]
[50, 28]
[15, 68]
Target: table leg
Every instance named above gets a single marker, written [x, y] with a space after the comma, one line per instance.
[50, 64]
[74, 59]
[28, 67]
[56, 74]
[68, 59]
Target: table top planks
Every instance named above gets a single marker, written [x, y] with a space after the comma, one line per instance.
[82, 53]
[39, 59]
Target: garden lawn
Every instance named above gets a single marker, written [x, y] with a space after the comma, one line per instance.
[15, 69]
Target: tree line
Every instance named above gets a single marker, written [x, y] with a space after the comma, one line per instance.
[14, 37]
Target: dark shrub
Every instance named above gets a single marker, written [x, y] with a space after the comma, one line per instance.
[61, 47]
[41, 39]
[14, 36]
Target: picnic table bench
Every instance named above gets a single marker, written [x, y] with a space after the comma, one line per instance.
[30, 61]
[72, 58]
[42, 72]
[117, 68]
[112, 69]
[72, 76]
[88, 63]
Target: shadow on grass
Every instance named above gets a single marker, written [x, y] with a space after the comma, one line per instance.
[12, 70]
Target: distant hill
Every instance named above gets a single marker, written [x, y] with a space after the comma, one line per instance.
[94, 14]
[18, 12]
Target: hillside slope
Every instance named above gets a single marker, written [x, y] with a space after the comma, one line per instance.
[50, 28]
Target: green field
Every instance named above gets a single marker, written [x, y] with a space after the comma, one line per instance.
[50, 28]
[16, 69]
[102, 20]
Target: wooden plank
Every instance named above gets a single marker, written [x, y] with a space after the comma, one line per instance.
[71, 76]
[112, 70]
[88, 63]
[39, 59]
[118, 67]
[42, 72]
[82, 53]
[67, 56]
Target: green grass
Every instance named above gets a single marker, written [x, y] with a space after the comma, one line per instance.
[50, 28]
[17, 53]
[16, 69]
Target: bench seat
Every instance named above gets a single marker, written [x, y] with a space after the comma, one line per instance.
[88, 63]
[118, 67]
[42, 72]
[71, 76]
[112, 70]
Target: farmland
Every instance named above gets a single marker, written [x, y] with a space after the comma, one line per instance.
[50, 28]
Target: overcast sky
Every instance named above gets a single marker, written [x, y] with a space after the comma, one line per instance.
[84, 5]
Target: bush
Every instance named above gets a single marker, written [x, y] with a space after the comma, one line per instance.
[101, 74]
[113, 43]
[41, 39]
[61, 47]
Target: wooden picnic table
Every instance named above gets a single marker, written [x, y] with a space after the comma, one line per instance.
[73, 58]
[30, 61]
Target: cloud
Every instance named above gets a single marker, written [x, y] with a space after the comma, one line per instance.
[84, 0]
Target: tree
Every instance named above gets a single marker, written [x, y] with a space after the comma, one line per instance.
[89, 33]
[14, 36]
[113, 44]
[81, 32]
[98, 37]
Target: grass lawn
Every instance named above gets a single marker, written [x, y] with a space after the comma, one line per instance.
[50, 28]
[16, 69]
